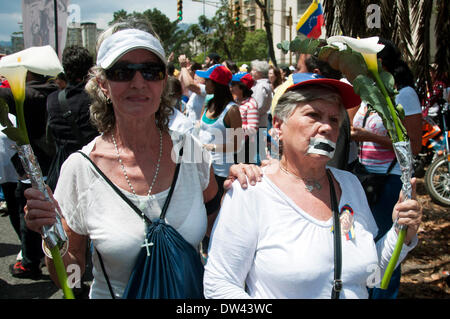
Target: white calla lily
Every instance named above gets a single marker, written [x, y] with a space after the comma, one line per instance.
[14, 67]
[368, 47]
[41, 60]
[16, 78]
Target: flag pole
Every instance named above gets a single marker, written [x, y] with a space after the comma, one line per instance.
[55, 10]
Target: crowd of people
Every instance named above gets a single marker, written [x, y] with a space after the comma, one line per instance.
[140, 148]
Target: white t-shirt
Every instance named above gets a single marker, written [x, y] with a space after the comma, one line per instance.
[195, 104]
[263, 240]
[92, 208]
[178, 122]
[262, 93]
[375, 157]
[7, 171]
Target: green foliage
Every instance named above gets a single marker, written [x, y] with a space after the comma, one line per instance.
[254, 46]
[4, 110]
[352, 65]
[15, 134]
[171, 36]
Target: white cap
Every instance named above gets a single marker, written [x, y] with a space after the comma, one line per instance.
[124, 41]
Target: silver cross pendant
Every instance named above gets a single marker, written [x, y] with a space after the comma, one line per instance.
[146, 244]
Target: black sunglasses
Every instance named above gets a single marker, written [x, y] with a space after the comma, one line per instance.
[125, 72]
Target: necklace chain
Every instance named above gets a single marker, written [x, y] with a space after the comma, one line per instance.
[146, 244]
[125, 172]
[310, 185]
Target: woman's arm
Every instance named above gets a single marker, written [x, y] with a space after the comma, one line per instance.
[413, 125]
[39, 212]
[362, 135]
[232, 248]
[233, 120]
[212, 188]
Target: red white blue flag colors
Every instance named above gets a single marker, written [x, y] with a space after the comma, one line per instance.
[311, 21]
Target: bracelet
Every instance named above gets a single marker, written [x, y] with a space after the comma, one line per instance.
[63, 250]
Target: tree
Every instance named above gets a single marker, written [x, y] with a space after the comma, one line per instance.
[267, 25]
[171, 36]
[348, 17]
[254, 46]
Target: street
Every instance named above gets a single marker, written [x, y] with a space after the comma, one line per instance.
[16, 288]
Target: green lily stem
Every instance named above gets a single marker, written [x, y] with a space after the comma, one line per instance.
[61, 273]
[394, 259]
[21, 122]
[56, 255]
[390, 105]
[402, 234]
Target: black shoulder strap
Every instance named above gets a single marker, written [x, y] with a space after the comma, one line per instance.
[116, 189]
[137, 210]
[105, 274]
[337, 283]
[67, 114]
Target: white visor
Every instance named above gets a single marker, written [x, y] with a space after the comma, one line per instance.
[124, 41]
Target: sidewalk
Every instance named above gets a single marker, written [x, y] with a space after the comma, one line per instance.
[15, 288]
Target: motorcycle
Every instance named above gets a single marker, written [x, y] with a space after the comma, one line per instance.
[437, 175]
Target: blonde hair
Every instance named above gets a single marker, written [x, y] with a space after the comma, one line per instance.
[101, 109]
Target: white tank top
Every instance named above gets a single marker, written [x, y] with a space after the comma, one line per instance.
[214, 131]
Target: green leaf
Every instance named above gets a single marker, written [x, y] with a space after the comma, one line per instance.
[312, 46]
[16, 135]
[285, 45]
[400, 111]
[325, 52]
[4, 110]
[295, 45]
[388, 81]
[352, 64]
[371, 94]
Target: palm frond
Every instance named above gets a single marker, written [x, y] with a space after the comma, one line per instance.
[329, 17]
[402, 36]
[422, 17]
[442, 31]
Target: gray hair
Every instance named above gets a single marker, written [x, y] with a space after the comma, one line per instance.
[261, 66]
[101, 109]
[290, 100]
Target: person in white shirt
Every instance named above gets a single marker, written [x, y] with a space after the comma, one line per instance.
[275, 239]
[136, 154]
[262, 93]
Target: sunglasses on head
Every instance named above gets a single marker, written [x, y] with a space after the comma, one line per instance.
[124, 72]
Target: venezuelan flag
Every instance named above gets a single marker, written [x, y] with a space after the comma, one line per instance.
[311, 21]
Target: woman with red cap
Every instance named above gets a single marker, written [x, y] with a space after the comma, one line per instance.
[220, 118]
[241, 87]
[306, 230]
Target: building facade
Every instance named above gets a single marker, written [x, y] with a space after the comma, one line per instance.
[284, 16]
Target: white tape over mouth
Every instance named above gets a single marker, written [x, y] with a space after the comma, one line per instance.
[321, 146]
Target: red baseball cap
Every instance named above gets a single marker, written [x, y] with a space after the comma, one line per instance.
[245, 78]
[349, 98]
[218, 73]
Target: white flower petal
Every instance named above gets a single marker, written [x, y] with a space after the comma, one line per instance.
[366, 45]
[41, 60]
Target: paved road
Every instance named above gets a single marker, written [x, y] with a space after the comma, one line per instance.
[15, 288]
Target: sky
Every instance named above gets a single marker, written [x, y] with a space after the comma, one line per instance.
[101, 11]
